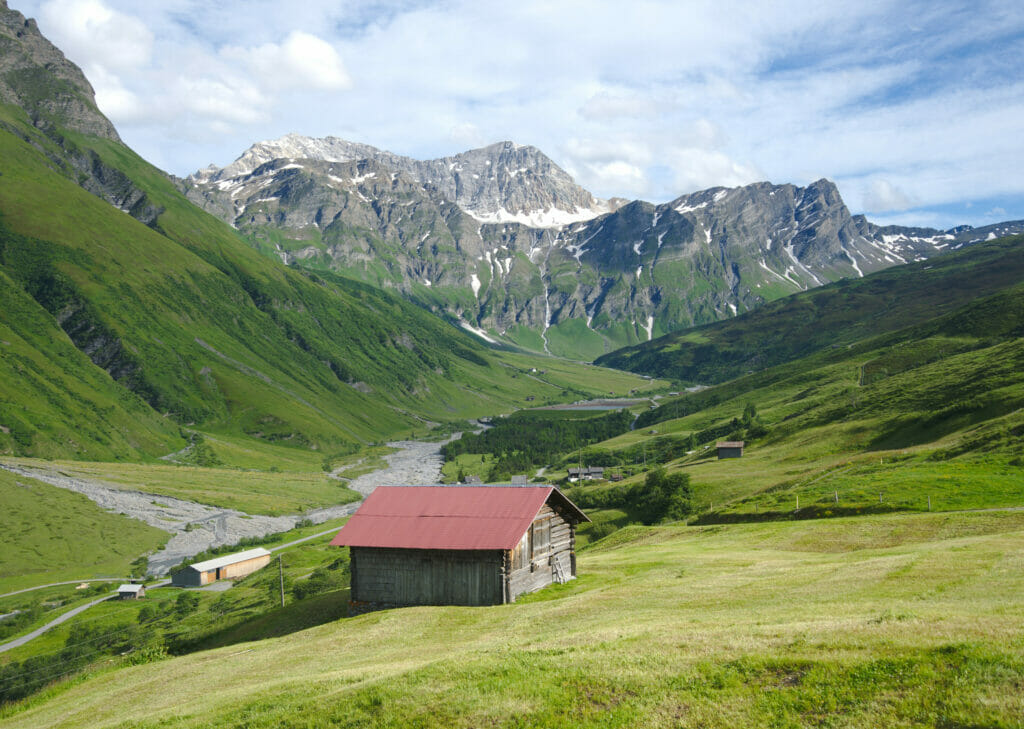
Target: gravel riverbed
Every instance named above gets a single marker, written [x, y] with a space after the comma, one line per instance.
[210, 526]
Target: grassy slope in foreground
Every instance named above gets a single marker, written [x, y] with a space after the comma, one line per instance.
[50, 535]
[878, 621]
[833, 315]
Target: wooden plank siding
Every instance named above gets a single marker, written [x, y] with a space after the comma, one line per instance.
[390, 576]
[551, 537]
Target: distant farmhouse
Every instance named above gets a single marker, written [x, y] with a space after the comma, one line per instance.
[586, 473]
[730, 449]
[131, 592]
[229, 567]
[459, 545]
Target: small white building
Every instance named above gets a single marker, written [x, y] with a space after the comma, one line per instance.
[131, 592]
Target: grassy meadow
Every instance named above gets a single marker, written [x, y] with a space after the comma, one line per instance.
[936, 418]
[885, 620]
[52, 535]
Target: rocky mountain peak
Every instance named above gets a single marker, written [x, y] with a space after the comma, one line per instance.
[502, 182]
[36, 76]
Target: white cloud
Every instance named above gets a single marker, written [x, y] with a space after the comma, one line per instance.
[94, 34]
[618, 175]
[663, 99]
[882, 196]
[113, 99]
[302, 61]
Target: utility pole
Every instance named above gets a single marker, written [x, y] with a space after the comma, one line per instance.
[280, 574]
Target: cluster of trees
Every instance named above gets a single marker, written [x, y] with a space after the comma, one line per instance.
[662, 496]
[521, 442]
[84, 644]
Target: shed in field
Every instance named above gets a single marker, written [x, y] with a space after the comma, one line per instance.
[131, 592]
[730, 449]
[229, 567]
[459, 545]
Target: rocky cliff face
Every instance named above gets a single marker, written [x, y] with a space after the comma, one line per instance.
[505, 242]
[36, 76]
[57, 98]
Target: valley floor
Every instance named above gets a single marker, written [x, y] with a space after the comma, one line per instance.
[889, 620]
[195, 526]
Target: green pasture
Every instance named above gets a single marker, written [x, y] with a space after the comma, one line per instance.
[886, 620]
[53, 535]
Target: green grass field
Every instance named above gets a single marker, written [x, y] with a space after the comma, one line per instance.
[52, 535]
[891, 620]
[943, 420]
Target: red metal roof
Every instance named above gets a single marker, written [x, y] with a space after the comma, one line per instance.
[446, 517]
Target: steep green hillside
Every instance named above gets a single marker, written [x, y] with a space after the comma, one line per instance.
[926, 417]
[831, 316]
[907, 620]
[53, 400]
[205, 330]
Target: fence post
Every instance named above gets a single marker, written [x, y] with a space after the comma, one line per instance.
[280, 574]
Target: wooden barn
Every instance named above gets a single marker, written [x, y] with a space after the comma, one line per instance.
[730, 449]
[459, 545]
[229, 567]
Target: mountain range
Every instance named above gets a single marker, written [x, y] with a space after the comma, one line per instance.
[503, 241]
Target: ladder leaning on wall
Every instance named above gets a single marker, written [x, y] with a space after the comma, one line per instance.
[559, 573]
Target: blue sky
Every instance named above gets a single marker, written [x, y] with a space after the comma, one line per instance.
[913, 108]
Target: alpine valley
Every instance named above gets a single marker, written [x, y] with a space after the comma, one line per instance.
[502, 241]
[127, 313]
[194, 367]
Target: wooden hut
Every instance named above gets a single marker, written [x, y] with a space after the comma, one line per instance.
[230, 567]
[459, 545]
[730, 449]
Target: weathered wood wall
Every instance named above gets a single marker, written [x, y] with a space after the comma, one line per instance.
[550, 538]
[427, 576]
